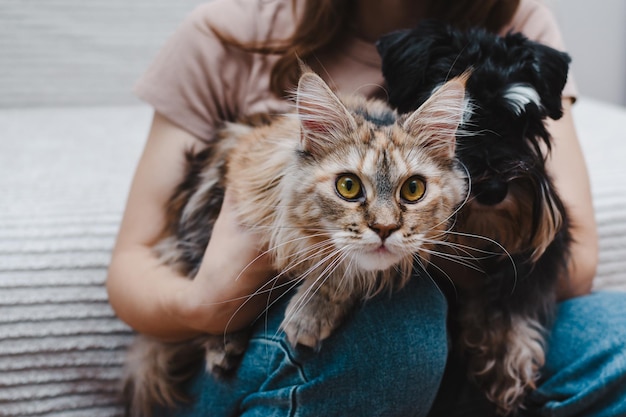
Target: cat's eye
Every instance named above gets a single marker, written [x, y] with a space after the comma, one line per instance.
[349, 187]
[413, 189]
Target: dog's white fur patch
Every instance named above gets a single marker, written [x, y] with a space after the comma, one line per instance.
[519, 95]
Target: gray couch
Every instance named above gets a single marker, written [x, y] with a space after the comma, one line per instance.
[70, 135]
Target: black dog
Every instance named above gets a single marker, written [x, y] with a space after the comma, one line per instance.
[514, 225]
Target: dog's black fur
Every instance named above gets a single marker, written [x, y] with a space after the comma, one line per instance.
[515, 84]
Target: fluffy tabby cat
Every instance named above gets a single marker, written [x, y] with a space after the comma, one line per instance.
[346, 192]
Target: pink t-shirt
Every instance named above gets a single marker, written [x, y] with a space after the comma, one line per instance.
[195, 81]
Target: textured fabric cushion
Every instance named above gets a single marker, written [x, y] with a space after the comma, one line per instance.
[64, 176]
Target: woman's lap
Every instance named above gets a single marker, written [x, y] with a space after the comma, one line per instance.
[386, 360]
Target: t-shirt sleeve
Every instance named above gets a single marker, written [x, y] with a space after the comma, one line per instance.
[535, 20]
[193, 79]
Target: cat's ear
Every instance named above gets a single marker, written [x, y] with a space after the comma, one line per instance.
[322, 115]
[435, 124]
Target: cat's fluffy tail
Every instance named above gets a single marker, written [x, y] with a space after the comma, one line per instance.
[155, 373]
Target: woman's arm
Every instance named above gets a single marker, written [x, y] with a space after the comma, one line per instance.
[150, 296]
[567, 166]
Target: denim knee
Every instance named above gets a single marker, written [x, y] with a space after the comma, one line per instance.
[585, 371]
[387, 359]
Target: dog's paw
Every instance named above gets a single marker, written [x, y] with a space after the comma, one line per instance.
[523, 359]
[509, 372]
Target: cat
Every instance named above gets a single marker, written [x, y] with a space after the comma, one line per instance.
[346, 193]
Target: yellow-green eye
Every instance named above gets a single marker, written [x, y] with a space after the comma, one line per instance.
[349, 187]
[413, 189]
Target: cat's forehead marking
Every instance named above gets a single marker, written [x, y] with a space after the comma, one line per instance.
[379, 116]
[384, 182]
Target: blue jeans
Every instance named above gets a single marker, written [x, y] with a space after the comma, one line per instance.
[388, 359]
[585, 371]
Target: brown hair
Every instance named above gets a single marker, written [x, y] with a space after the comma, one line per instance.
[322, 21]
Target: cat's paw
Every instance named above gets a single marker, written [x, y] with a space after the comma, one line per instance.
[223, 353]
[311, 323]
[307, 331]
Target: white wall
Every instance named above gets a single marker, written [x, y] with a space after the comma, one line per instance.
[77, 52]
[595, 36]
[80, 52]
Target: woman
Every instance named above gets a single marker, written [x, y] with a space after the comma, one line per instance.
[236, 57]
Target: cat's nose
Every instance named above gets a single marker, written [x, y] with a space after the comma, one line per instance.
[383, 230]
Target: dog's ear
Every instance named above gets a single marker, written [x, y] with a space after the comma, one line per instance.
[552, 67]
[405, 57]
[392, 44]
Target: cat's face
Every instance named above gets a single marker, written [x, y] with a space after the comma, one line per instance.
[379, 186]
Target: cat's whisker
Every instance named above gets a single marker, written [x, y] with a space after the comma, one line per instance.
[496, 243]
[306, 254]
[317, 249]
[478, 237]
[272, 249]
[327, 230]
[473, 252]
[321, 233]
[258, 204]
[471, 257]
[318, 282]
[339, 255]
[291, 284]
[437, 237]
[272, 282]
[441, 271]
[403, 270]
[247, 298]
[461, 260]
[453, 214]
[468, 191]
[327, 251]
[324, 260]
[342, 282]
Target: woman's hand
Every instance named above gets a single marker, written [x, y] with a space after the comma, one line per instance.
[150, 296]
[232, 285]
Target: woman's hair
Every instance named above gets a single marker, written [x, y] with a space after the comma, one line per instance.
[322, 21]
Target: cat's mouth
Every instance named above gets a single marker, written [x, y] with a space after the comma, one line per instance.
[378, 258]
[382, 249]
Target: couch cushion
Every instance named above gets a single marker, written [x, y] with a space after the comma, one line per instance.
[64, 176]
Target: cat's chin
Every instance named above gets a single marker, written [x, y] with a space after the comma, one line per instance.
[377, 260]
